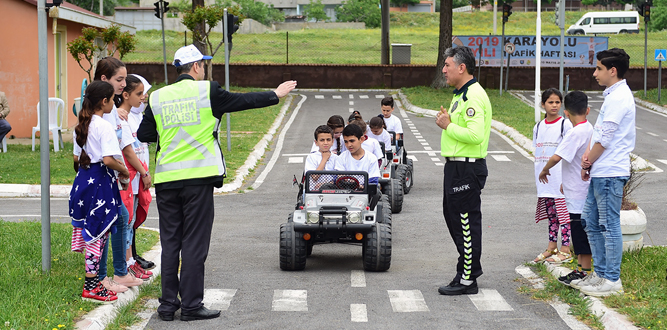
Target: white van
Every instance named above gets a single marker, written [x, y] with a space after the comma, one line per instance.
[606, 22]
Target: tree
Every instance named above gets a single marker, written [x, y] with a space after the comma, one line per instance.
[209, 17]
[658, 15]
[108, 5]
[315, 10]
[88, 48]
[367, 11]
[401, 3]
[257, 10]
[444, 42]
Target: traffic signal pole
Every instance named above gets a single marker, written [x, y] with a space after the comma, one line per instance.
[502, 53]
[164, 45]
[561, 24]
[225, 22]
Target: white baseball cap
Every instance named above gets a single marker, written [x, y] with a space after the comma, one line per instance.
[188, 54]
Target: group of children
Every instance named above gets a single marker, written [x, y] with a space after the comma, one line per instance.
[360, 149]
[110, 195]
[566, 197]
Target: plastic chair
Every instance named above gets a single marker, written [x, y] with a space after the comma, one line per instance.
[4, 144]
[56, 118]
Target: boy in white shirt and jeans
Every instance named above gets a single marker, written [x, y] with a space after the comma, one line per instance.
[571, 149]
[606, 164]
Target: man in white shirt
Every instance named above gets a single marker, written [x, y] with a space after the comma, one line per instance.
[607, 164]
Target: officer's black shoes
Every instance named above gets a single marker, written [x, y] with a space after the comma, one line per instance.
[166, 316]
[455, 288]
[202, 313]
[145, 264]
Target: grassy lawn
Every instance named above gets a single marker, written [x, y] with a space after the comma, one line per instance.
[347, 46]
[247, 127]
[32, 299]
[652, 96]
[506, 109]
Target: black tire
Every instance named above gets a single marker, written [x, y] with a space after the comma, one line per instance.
[383, 214]
[377, 248]
[405, 176]
[293, 248]
[309, 248]
[578, 33]
[386, 209]
[395, 190]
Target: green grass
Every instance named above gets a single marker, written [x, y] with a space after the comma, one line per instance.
[652, 96]
[31, 299]
[506, 109]
[348, 46]
[247, 127]
[127, 314]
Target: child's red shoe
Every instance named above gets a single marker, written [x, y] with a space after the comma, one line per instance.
[99, 295]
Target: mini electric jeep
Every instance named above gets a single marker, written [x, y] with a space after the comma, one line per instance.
[337, 207]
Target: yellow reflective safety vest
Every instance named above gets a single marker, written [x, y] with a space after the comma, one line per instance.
[187, 128]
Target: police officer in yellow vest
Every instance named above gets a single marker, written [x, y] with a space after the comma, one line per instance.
[184, 118]
[466, 127]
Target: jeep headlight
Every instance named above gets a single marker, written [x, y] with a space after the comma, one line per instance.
[354, 217]
[313, 217]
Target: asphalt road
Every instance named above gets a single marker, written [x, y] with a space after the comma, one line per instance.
[244, 279]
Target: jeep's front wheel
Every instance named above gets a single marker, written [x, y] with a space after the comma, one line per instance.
[395, 194]
[377, 248]
[293, 248]
[383, 213]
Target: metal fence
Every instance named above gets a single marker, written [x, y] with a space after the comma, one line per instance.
[341, 47]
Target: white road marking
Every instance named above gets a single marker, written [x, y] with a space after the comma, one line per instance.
[293, 155]
[638, 127]
[414, 159]
[218, 298]
[439, 164]
[351, 102]
[319, 97]
[436, 159]
[421, 140]
[358, 279]
[295, 160]
[290, 301]
[489, 300]
[501, 158]
[405, 301]
[424, 143]
[363, 96]
[427, 149]
[664, 140]
[652, 134]
[351, 109]
[351, 96]
[500, 152]
[513, 144]
[414, 131]
[358, 313]
[379, 96]
[337, 97]
[664, 161]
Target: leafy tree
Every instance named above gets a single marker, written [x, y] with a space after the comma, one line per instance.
[87, 48]
[210, 17]
[108, 5]
[444, 42]
[400, 3]
[658, 15]
[367, 11]
[257, 10]
[315, 10]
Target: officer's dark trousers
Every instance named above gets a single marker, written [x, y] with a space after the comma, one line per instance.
[461, 206]
[186, 221]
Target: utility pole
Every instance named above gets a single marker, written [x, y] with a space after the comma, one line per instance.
[538, 59]
[384, 48]
[162, 7]
[495, 16]
[560, 21]
[507, 11]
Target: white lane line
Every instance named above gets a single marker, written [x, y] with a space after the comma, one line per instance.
[358, 313]
[426, 148]
[319, 97]
[513, 144]
[363, 96]
[294, 155]
[295, 160]
[436, 159]
[218, 298]
[664, 161]
[351, 96]
[418, 135]
[351, 102]
[500, 152]
[290, 301]
[637, 127]
[351, 109]
[439, 164]
[414, 159]
[501, 158]
[664, 140]
[414, 131]
[379, 96]
[424, 143]
[421, 140]
[490, 300]
[358, 279]
[337, 97]
[279, 146]
[406, 301]
[652, 134]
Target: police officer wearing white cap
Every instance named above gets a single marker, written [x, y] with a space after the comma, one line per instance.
[183, 118]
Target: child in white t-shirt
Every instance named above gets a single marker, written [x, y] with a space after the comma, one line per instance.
[336, 123]
[369, 144]
[392, 122]
[551, 204]
[376, 131]
[322, 159]
[355, 158]
[571, 150]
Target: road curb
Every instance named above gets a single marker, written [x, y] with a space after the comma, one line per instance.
[100, 317]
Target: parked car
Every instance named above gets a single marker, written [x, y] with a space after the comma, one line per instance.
[606, 22]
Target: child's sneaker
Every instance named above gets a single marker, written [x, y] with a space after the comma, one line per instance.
[99, 294]
[603, 288]
[574, 275]
[591, 278]
[137, 272]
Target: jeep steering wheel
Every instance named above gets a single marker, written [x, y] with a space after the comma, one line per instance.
[344, 182]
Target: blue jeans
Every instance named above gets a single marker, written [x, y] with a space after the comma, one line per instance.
[119, 246]
[4, 128]
[602, 219]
